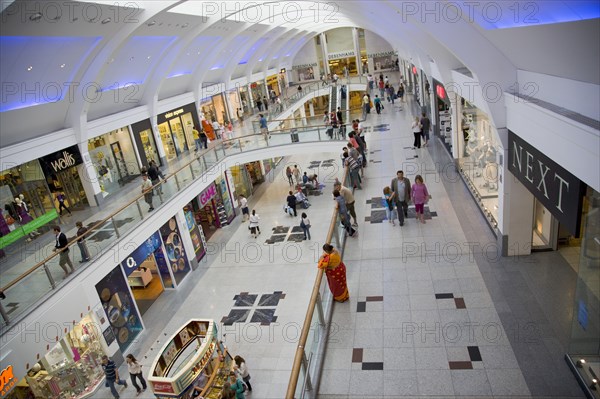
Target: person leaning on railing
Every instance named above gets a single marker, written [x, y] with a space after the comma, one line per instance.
[335, 270]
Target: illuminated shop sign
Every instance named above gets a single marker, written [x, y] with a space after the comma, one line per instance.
[7, 380]
[556, 188]
[440, 91]
[341, 54]
[171, 114]
[62, 160]
[303, 66]
[384, 54]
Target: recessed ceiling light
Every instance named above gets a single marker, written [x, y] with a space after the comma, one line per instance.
[151, 23]
[149, 57]
[110, 61]
[29, 68]
[106, 20]
[62, 65]
[36, 17]
[131, 58]
[185, 25]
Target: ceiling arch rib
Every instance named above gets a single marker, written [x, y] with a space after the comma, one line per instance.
[269, 44]
[77, 112]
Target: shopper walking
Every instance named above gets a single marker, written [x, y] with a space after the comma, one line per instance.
[378, 105]
[349, 199]
[244, 207]
[296, 173]
[112, 376]
[81, 230]
[197, 140]
[61, 245]
[264, 129]
[343, 213]
[135, 371]
[155, 175]
[289, 174]
[60, 197]
[401, 195]
[354, 168]
[242, 369]
[420, 196]
[291, 202]
[253, 225]
[305, 225]
[425, 128]
[416, 129]
[147, 191]
[388, 203]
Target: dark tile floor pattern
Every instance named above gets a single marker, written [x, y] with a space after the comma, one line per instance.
[458, 302]
[358, 353]
[281, 233]
[262, 312]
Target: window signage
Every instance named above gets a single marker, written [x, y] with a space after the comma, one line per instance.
[7, 380]
[303, 66]
[556, 188]
[206, 195]
[171, 114]
[341, 54]
[62, 160]
[440, 91]
[383, 54]
[137, 257]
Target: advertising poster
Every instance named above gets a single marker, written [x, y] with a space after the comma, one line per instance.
[151, 246]
[195, 233]
[222, 183]
[175, 252]
[119, 308]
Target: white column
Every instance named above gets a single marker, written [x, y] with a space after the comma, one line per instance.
[325, 54]
[89, 177]
[303, 115]
[515, 211]
[357, 50]
[158, 140]
[458, 142]
[311, 108]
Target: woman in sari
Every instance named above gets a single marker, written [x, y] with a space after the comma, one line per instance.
[331, 263]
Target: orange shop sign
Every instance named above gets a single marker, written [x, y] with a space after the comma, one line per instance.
[7, 380]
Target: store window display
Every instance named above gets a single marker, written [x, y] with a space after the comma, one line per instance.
[71, 369]
[479, 162]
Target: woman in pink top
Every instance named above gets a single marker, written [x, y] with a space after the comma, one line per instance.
[419, 195]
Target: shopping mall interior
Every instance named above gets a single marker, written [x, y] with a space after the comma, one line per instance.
[138, 129]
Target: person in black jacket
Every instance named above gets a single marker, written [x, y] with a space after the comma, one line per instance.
[61, 245]
[155, 175]
[291, 201]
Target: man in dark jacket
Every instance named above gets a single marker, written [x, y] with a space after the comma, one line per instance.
[291, 202]
[61, 245]
[401, 188]
[155, 175]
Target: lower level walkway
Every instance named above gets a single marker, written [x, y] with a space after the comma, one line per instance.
[433, 312]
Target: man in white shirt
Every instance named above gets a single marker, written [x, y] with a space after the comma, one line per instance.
[244, 206]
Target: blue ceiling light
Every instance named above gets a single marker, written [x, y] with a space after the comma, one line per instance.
[58, 59]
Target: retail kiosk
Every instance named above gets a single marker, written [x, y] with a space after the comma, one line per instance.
[192, 359]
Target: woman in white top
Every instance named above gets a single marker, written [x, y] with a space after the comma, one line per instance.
[416, 129]
[241, 368]
[254, 219]
[305, 224]
[135, 370]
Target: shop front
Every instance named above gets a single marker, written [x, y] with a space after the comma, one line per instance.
[443, 120]
[342, 60]
[245, 100]
[273, 85]
[113, 156]
[196, 233]
[176, 254]
[148, 272]
[144, 140]
[210, 210]
[384, 61]
[233, 99]
[16, 221]
[222, 115]
[559, 196]
[258, 91]
[175, 129]
[478, 163]
[304, 72]
[207, 109]
[62, 176]
[120, 309]
[192, 363]
[71, 369]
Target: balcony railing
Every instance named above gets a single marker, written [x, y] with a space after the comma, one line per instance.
[45, 277]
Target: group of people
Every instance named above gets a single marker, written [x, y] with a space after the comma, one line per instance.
[400, 193]
[335, 124]
[421, 127]
[237, 382]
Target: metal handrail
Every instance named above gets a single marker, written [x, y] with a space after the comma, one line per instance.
[314, 297]
[40, 264]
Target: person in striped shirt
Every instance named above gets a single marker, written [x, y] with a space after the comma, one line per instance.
[111, 372]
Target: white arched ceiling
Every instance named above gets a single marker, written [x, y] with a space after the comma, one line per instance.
[166, 31]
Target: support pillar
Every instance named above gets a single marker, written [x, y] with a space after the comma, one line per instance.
[357, 50]
[311, 108]
[325, 53]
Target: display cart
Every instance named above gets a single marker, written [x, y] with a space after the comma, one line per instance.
[193, 359]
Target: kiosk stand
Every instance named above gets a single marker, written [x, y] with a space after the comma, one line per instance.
[192, 363]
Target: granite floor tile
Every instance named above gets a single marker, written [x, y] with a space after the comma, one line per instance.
[435, 383]
[498, 357]
[336, 382]
[366, 383]
[396, 319]
[507, 382]
[431, 358]
[368, 338]
[399, 358]
[400, 383]
[470, 383]
[337, 359]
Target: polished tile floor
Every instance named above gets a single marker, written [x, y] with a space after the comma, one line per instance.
[431, 314]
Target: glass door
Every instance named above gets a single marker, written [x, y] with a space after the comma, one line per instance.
[544, 228]
[178, 135]
[148, 144]
[188, 127]
[120, 162]
[167, 139]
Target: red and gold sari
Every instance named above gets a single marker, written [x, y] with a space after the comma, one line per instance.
[336, 275]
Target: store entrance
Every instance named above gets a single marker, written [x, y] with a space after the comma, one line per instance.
[337, 66]
[146, 283]
[68, 182]
[545, 229]
[207, 217]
